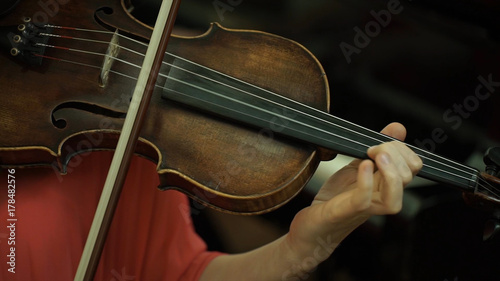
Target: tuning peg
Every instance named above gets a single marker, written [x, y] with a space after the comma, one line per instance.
[492, 160]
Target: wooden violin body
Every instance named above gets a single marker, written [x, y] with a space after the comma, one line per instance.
[54, 112]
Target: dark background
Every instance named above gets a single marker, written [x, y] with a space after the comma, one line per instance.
[425, 62]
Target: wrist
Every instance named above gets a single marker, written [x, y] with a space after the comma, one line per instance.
[305, 257]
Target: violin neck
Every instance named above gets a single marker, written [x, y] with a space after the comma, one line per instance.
[217, 93]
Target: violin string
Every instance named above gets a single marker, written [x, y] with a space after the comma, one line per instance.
[72, 37]
[487, 186]
[95, 41]
[315, 117]
[489, 189]
[86, 52]
[77, 29]
[138, 53]
[133, 78]
[67, 61]
[69, 49]
[472, 171]
[289, 119]
[104, 42]
[311, 108]
[269, 92]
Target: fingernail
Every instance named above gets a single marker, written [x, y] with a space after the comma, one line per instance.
[384, 159]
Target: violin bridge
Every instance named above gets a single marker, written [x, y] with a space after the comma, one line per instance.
[109, 58]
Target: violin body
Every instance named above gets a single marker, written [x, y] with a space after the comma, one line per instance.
[56, 112]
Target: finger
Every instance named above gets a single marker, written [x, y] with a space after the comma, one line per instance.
[355, 201]
[398, 131]
[395, 130]
[407, 162]
[362, 195]
[391, 189]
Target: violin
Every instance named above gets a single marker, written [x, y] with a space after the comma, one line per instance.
[239, 120]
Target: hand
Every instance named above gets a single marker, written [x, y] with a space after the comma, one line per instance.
[359, 190]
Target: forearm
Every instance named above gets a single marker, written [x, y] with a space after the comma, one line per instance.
[269, 262]
[274, 261]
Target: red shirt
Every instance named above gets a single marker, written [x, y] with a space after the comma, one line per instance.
[151, 237]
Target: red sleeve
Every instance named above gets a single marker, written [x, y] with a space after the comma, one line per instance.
[151, 238]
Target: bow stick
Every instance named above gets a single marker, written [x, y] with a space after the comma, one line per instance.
[127, 141]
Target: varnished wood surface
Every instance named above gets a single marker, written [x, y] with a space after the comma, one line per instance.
[234, 167]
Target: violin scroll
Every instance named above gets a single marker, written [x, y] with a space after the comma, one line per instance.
[491, 184]
[492, 161]
[487, 194]
[486, 198]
